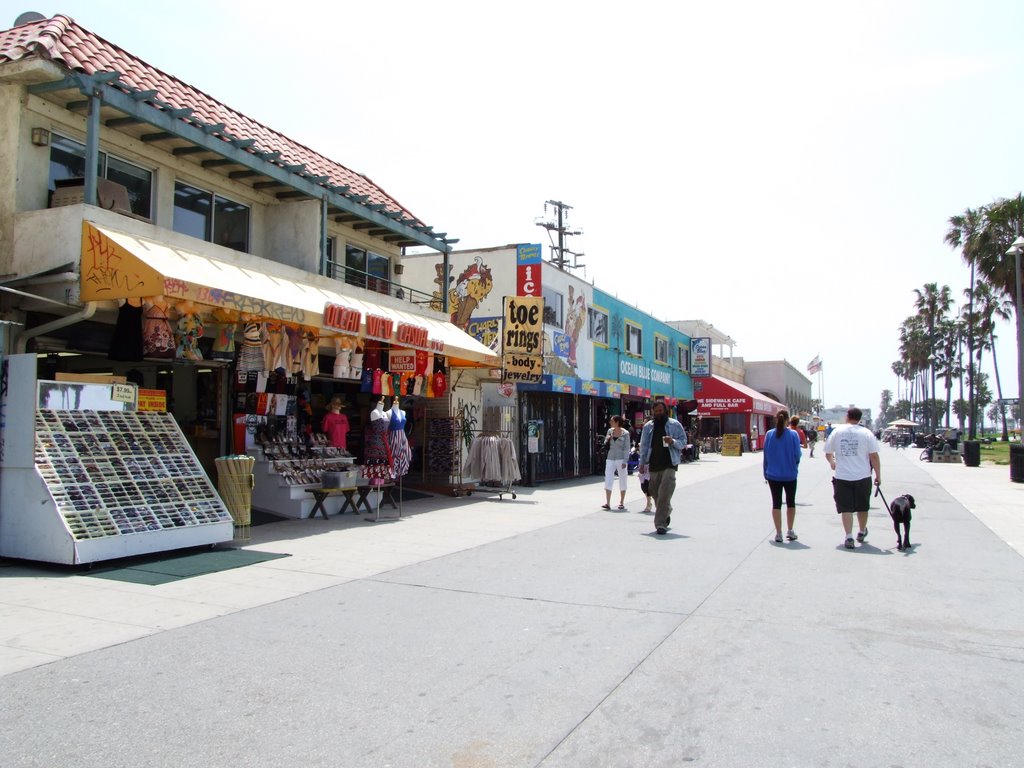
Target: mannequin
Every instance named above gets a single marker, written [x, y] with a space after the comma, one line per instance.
[224, 344]
[378, 411]
[336, 424]
[401, 453]
[342, 357]
[126, 342]
[157, 337]
[377, 464]
[251, 356]
[310, 353]
[188, 332]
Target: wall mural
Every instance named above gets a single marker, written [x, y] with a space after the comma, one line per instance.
[473, 285]
[575, 318]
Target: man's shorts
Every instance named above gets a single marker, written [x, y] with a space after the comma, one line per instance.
[852, 495]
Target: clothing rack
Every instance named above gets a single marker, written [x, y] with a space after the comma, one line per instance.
[492, 459]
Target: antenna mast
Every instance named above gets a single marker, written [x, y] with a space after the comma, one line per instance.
[559, 225]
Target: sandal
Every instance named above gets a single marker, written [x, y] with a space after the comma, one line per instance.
[605, 506]
[621, 506]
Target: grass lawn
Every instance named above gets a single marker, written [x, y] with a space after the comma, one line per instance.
[997, 453]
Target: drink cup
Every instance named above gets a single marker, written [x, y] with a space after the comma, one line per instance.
[666, 440]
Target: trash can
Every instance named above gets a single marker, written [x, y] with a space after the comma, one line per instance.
[972, 453]
[1017, 462]
[235, 482]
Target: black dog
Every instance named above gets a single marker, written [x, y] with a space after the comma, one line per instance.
[899, 511]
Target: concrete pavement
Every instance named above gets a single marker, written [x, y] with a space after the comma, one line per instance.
[546, 632]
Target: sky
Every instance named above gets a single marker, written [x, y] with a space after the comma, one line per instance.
[784, 171]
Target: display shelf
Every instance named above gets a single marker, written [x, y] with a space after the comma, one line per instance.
[113, 473]
[285, 472]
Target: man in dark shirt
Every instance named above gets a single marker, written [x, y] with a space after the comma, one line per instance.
[661, 444]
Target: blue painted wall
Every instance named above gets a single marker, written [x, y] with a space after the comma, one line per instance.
[613, 363]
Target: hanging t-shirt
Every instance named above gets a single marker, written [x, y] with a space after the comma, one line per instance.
[421, 361]
[385, 384]
[366, 382]
[440, 384]
[377, 375]
[371, 357]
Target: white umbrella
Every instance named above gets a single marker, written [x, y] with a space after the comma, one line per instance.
[903, 423]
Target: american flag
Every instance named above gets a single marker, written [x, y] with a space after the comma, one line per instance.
[815, 365]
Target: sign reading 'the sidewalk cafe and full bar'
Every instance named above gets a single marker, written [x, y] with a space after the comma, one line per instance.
[523, 339]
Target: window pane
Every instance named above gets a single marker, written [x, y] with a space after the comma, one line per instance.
[138, 182]
[379, 268]
[633, 340]
[597, 326]
[67, 160]
[355, 266]
[230, 224]
[192, 211]
[552, 307]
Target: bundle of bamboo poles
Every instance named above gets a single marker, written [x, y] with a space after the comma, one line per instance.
[234, 482]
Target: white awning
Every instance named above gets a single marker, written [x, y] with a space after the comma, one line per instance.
[117, 265]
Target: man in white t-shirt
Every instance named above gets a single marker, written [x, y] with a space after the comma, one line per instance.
[852, 452]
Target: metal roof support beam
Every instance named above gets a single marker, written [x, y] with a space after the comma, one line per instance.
[92, 146]
[179, 151]
[234, 148]
[217, 162]
[243, 174]
[117, 122]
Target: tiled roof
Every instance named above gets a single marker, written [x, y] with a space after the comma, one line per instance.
[69, 45]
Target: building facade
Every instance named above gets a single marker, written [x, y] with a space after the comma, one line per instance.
[149, 231]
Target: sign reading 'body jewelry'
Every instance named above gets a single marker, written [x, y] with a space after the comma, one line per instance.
[522, 339]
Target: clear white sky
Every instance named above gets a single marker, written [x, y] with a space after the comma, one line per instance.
[782, 170]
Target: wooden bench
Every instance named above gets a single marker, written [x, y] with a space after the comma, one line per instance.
[322, 494]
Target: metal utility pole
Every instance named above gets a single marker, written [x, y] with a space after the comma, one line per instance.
[559, 226]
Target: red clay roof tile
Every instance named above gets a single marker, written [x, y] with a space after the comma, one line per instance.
[69, 45]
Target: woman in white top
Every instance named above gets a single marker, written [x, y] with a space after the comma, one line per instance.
[618, 443]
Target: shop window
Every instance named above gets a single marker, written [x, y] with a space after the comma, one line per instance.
[552, 307]
[210, 217]
[67, 161]
[683, 360]
[597, 325]
[661, 349]
[367, 269]
[634, 340]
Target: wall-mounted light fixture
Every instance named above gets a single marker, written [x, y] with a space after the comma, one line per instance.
[399, 268]
[40, 137]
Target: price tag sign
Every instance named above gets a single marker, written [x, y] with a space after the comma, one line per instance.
[123, 393]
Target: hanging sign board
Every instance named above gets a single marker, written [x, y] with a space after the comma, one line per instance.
[700, 356]
[523, 339]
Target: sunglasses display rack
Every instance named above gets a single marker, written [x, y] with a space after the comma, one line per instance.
[286, 469]
[109, 484]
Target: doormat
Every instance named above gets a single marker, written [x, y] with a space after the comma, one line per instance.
[164, 570]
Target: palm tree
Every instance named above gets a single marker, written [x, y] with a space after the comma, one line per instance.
[947, 358]
[913, 351]
[984, 235]
[933, 305]
[966, 233]
[991, 307]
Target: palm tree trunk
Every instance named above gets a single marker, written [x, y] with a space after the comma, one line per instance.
[999, 387]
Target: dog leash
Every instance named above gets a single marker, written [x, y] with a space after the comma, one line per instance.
[878, 492]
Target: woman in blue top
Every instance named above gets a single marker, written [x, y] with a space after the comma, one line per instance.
[781, 458]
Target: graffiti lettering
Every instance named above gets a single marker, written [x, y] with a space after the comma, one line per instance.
[102, 265]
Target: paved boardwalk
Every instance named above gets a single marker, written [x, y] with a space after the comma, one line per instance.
[547, 632]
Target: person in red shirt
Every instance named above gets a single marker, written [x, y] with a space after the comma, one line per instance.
[335, 424]
[794, 424]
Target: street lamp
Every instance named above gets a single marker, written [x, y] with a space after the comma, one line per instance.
[1016, 250]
